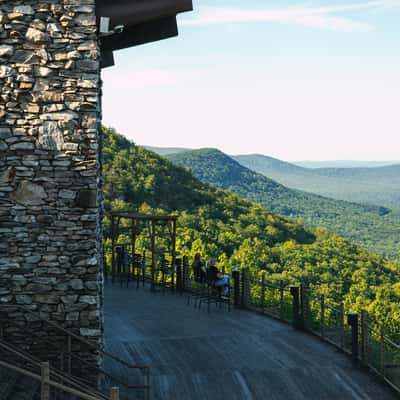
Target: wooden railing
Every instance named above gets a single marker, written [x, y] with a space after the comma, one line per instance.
[66, 350]
[295, 304]
[350, 332]
[49, 379]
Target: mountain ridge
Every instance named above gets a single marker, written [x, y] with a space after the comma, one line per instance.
[166, 150]
[369, 225]
[377, 185]
[343, 163]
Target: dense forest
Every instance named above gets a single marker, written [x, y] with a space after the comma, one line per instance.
[378, 185]
[375, 228]
[241, 233]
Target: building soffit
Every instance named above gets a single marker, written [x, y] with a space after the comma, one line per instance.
[143, 21]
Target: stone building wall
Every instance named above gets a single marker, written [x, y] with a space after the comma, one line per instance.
[49, 166]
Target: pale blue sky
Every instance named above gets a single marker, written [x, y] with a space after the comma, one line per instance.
[291, 79]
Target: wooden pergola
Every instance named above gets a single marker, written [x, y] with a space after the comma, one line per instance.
[152, 221]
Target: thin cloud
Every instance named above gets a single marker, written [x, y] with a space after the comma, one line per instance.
[328, 18]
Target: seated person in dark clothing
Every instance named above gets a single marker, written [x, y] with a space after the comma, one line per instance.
[199, 270]
[217, 278]
[123, 259]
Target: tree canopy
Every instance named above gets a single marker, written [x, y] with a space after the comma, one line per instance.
[242, 233]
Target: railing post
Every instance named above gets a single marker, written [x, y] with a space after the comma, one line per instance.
[304, 307]
[263, 292]
[113, 249]
[352, 320]
[295, 292]
[174, 276]
[179, 277]
[281, 300]
[382, 349]
[341, 325]
[246, 295]
[114, 393]
[364, 337]
[144, 269]
[186, 273]
[322, 316]
[236, 287]
[45, 387]
[153, 256]
[148, 384]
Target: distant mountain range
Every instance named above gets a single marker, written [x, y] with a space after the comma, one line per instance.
[378, 185]
[344, 164]
[364, 182]
[376, 228]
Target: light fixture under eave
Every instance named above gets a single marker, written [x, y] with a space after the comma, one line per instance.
[143, 21]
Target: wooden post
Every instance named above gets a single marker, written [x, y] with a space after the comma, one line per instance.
[364, 337]
[322, 316]
[382, 349]
[112, 249]
[295, 292]
[281, 300]
[114, 393]
[304, 306]
[133, 246]
[148, 383]
[186, 273]
[341, 325]
[45, 387]
[352, 320]
[236, 287]
[153, 253]
[179, 277]
[246, 295]
[143, 268]
[173, 251]
[263, 292]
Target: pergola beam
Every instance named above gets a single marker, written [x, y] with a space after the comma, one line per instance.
[144, 217]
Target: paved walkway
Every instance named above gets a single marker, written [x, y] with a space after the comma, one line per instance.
[227, 356]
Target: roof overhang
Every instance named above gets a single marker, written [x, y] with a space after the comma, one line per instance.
[144, 21]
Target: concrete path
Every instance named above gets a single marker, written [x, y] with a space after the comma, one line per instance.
[227, 356]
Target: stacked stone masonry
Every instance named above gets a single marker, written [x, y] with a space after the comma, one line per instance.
[50, 227]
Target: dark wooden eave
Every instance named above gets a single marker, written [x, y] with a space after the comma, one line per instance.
[133, 12]
[144, 21]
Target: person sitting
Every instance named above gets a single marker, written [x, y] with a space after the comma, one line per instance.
[199, 270]
[123, 259]
[218, 279]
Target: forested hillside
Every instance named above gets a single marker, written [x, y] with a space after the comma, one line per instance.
[378, 185]
[375, 228]
[241, 233]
